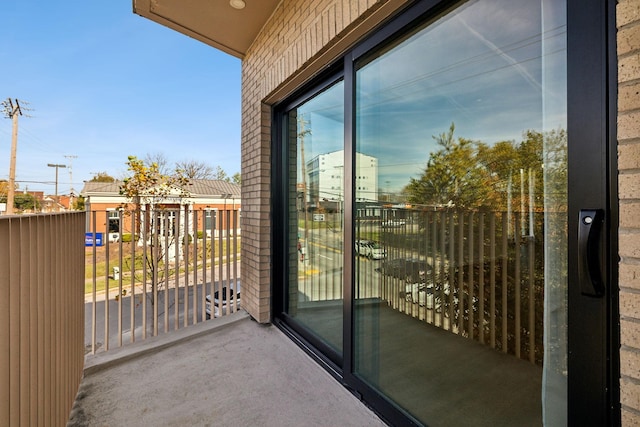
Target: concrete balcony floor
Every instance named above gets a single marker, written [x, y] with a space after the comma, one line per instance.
[226, 372]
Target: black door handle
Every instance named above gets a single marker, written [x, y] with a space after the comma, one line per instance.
[589, 228]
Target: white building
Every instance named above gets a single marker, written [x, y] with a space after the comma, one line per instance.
[325, 178]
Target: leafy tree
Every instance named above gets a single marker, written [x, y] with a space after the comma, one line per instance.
[26, 202]
[102, 177]
[236, 178]
[453, 177]
[4, 187]
[220, 174]
[147, 182]
[147, 187]
[78, 203]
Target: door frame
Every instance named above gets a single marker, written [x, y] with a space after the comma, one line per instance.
[593, 348]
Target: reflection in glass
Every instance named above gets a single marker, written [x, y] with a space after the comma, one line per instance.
[464, 306]
[316, 152]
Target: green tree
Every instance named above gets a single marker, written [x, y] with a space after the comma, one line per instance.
[147, 184]
[4, 188]
[102, 177]
[220, 174]
[454, 177]
[78, 203]
[26, 202]
[237, 178]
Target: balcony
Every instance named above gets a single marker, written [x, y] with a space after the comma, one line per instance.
[229, 371]
[225, 371]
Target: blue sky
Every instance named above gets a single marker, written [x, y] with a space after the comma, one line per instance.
[104, 84]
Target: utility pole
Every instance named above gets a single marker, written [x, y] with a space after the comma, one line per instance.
[12, 112]
[71, 192]
[57, 166]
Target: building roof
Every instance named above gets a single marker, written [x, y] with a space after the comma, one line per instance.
[214, 22]
[197, 187]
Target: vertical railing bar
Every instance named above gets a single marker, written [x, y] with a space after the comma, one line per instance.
[165, 258]
[518, 300]
[121, 270]
[204, 267]
[176, 274]
[185, 297]
[155, 249]
[471, 283]
[106, 293]
[219, 285]
[461, 297]
[235, 307]
[22, 392]
[228, 215]
[441, 271]
[505, 258]
[94, 283]
[194, 214]
[214, 218]
[145, 256]
[481, 277]
[132, 297]
[532, 305]
[451, 298]
[435, 267]
[492, 279]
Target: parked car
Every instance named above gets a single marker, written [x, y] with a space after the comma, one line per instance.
[424, 294]
[226, 293]
[394, 223]
[370, 249]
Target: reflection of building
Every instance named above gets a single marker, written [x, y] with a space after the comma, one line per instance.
[325, 176]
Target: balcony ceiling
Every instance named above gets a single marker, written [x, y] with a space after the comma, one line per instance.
[213, 22]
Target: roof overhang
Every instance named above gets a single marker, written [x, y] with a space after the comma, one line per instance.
[214, 22]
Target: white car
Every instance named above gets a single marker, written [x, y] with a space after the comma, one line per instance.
[423, 294]
[394, 223]
[370, 249]
[226, 304]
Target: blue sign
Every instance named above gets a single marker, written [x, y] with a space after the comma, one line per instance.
[88, 239]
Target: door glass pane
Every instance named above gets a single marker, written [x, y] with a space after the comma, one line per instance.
[460, 309]
[316, 153]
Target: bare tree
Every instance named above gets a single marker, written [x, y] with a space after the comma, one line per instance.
[194, 169]
[160, 160]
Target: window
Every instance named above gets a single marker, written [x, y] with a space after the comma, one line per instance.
[440, 290]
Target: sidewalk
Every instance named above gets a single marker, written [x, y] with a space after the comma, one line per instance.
[228, 372]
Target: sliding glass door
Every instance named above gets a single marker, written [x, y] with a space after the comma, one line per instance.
[440, 250]
[467, 123]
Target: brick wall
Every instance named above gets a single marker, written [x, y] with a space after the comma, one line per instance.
[300, 38]
[628, 41]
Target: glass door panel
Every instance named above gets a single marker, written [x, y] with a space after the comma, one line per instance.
[316, 171]
[460, 216]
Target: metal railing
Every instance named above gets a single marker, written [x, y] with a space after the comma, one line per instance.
[41, 313]
[478, 275]
[153, 271]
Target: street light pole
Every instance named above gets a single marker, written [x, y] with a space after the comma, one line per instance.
[56, 166]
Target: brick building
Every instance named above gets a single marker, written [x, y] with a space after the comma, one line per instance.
[104, 203]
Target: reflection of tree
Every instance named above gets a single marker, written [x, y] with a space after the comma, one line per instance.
[506, 176]
[499, 253]
[453, 177]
